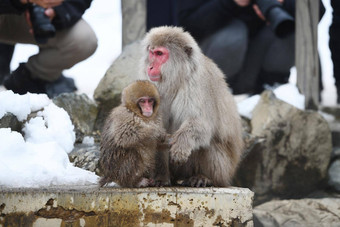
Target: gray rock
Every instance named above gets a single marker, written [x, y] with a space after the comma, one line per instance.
[82, 111]
[122, 72]
[86, 157]
[9, 120]
[334, 175]
[304, 212]
[291, 153]
[336, 152]
[133, 20]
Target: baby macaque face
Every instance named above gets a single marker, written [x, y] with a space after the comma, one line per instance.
[146, 105]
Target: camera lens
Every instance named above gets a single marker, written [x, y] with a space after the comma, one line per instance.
[42, 27]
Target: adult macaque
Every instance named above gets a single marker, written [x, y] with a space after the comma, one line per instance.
[197, 108]
[132, 153]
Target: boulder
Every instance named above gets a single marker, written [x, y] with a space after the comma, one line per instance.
[334, 175]
[122, 72]
[289, 152]
[304, 212]
[86, 156]
[9, 120]
[82, 111]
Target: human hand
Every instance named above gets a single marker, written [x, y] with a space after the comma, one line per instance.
[43, 3]
[242, 3]
[50, 13]
[258, 11]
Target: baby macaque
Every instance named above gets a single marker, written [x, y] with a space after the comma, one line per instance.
[133, 152]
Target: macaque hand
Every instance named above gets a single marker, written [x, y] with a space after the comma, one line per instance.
[166, 138]
[146, 182]
[161, 182]
[179, 154]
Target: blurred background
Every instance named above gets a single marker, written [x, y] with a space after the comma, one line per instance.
[105, 18]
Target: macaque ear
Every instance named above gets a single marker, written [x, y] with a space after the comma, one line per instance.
[188, 50]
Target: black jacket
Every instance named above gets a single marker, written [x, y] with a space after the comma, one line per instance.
[67, 14]
[11, 6]
[204, 17]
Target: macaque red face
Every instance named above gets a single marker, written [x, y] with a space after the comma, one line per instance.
[146, 105]
[157, 57]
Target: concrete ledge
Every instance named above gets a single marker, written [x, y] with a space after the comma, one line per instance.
[91, 206]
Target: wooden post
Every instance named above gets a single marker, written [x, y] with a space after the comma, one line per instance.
[133, 20]
[306, 51]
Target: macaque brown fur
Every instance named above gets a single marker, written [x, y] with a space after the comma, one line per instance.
[131, 144]
[197, 108]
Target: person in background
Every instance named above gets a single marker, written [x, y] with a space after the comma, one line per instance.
[63, 38]
[6, 53]
[253, 42]
[161, 13]
[334, 44]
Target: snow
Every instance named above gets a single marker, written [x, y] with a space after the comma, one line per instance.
[246, 106]
[39, 158]
[288, 93]
[51, 125]
[20, 105]
[88, 140]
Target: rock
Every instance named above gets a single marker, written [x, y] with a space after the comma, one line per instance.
[336, 152]
[291, 154]
[334, 123]
[86, 157]
[122, 72]
[304, 212]
[334, 175]
[9, 120]
[82, 111]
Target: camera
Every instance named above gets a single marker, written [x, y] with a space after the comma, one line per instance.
[42, 27]
[280, 21]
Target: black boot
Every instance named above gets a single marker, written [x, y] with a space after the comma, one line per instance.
[20, 81]
[61, 85]
[6, 53]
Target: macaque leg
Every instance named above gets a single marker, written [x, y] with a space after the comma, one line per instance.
[162, 177]
[204, 168]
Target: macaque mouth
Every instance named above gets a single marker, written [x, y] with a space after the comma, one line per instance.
[154, 77]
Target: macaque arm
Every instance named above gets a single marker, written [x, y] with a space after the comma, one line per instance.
[134, 134]
[193, 133]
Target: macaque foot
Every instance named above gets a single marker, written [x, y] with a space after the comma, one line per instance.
[197, 181]
[146, 182]
[162, 183]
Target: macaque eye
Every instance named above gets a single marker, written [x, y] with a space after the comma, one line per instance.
[142, 101]
[159, 53]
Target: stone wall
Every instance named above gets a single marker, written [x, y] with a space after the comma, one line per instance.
[91, 206]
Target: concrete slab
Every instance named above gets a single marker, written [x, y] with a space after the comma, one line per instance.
[93, 206]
